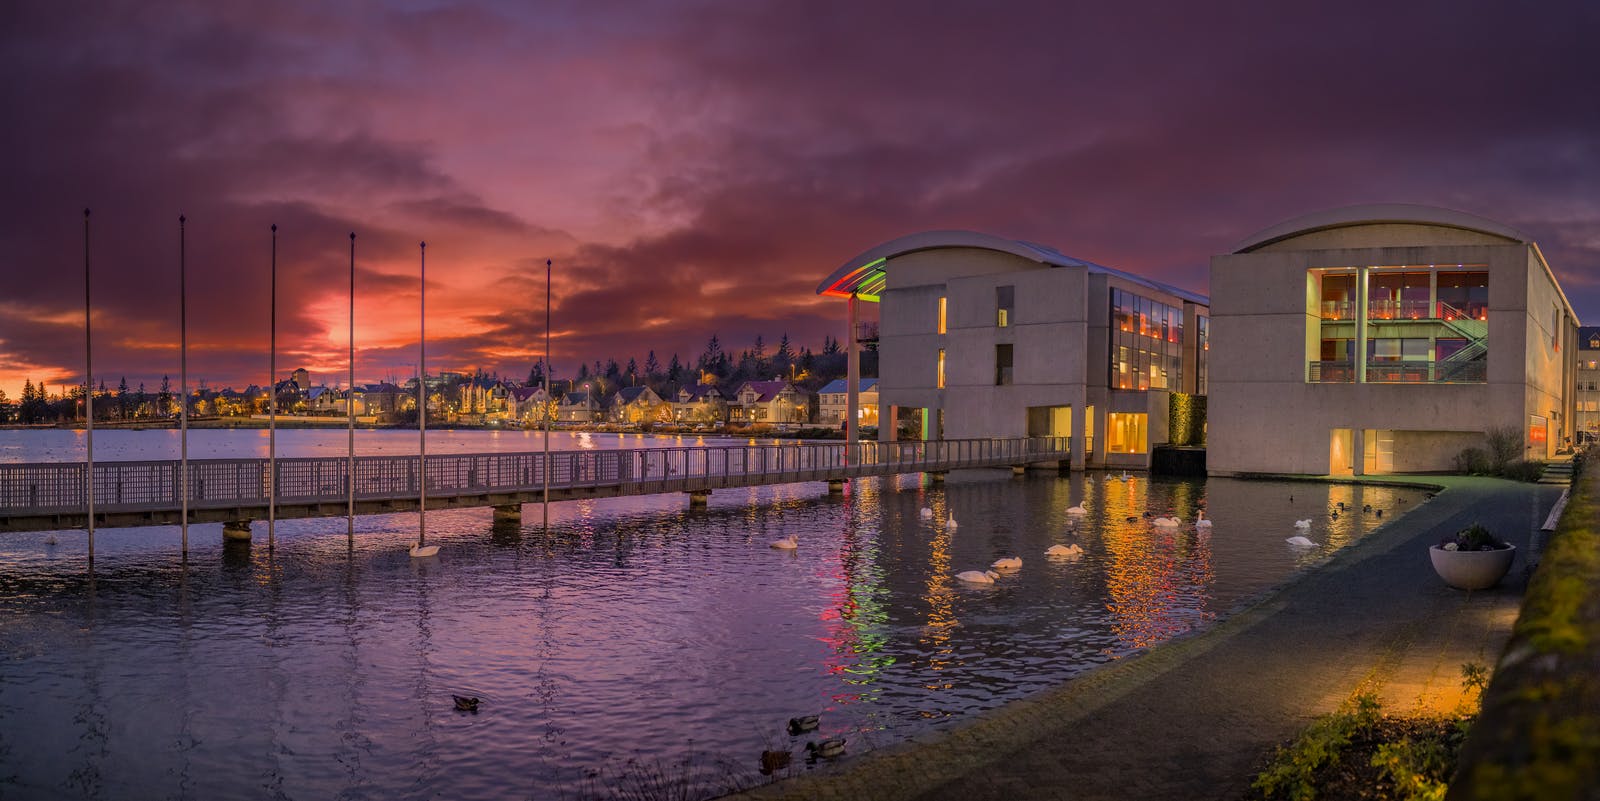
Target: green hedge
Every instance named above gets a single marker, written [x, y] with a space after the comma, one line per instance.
[1186, 419]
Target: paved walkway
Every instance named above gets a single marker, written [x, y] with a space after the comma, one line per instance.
[1193, 718]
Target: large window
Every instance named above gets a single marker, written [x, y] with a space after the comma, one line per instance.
[1146, 343]
[1002, 365]
[1421, 323]
[1005, 301]
[1202, 351]
[939, 374]
[942, 315]
[1127, 433]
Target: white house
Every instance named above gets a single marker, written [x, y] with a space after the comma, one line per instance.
[832, 401]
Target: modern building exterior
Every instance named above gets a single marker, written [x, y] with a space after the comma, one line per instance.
[981, 336]
[1385, 339]
[1586, 406]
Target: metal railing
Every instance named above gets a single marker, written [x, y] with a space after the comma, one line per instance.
[1331, 372]
[1443, 372]
[58, 487]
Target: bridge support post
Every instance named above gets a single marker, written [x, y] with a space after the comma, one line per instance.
[699, 498]
[236, 531]
[511, 512]
[1019, 469]
[937, 478]
[836, 486]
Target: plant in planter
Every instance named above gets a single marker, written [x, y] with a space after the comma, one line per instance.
[1473, 559]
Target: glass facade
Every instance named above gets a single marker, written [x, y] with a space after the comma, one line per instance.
[939, 375]
[1002, 365]
[1146, 343]
[1421, 323]
[942, 308]
[1202, 351]
[1127, 433]
[1005, 301]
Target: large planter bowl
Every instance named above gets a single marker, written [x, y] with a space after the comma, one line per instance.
[1472, 570]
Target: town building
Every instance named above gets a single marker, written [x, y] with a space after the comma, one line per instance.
[527, 405]
[777, 402]
[833, 401]
[1586, 406]
[701, 403]
[578, 407]
[635, 406]
[982, 336]
[1385, 339]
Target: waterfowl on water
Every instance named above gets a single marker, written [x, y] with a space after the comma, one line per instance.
[1007, 563]
[927, 513]
[1306, 523]
[1200, 520]
[1077, 510]
[424, 551]
[951, 522]
[827, 749]
[465, 704]
[788, 543]
[803, 724]
[1064, 550]
[1166, 522]
[977, 576]
[1301, 542]
[1379, 513]
[1132, 519]
[1367, 508]
[774, 761]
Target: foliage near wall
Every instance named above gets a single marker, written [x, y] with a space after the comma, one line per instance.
[1186, 419]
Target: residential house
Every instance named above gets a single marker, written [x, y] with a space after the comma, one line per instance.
[527, 405]
[832, 402]
[578, 407]
[771, 402]
[635, 406]
[701, 403]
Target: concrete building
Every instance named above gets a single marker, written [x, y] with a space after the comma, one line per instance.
[980, 336]
[1586, 407]
[1385, 339]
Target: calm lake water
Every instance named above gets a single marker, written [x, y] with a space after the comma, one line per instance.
[636, 638]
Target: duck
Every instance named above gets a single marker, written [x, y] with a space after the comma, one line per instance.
[1335, 515]
[1301, 542]
[1007, 563]
[1303, 524]
[803, 724]
[977, 576]
[1378, 512]
[927, 513]
[1132, 519]
[465, 704]
[1148, 514]
[1166, 522]
[774, 761]
[788, 543]
[1064, 550]
[1077, 510]
[1200, 520]
[50, 539]
[1366, 508]
[1341, 506]
[827, 749]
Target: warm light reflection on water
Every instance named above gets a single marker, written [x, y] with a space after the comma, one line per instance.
[637, 629]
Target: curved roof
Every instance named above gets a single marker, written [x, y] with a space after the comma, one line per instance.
[1375, 214]
[865, 275]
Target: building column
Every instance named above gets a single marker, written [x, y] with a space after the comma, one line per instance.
[1078, 432]
[888, 427]
[1358, 446]
[1360, 356]
[852, 380]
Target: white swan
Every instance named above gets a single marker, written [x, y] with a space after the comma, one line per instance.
[1200, 520]
[1303, 524]
[1064, 550]
[951, 522]
[424, 551]
[788, 543]
[977, 576]
[1301, 542]
[1166, 522]
[927, 513]
[1077, 510]
[1007, 563]
[1124, 475]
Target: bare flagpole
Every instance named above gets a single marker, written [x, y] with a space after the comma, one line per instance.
[422, 548]
[272, 402]
[183, 376]
[350, 405]
[88, 388]
[547, 395]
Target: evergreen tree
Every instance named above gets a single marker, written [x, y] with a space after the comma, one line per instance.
[675, 369]
[711, 360]
[784, 358]
[536, 375]
[5, 407]
[652, 367]
[164, 396]
[583, 373]
[139, 400]
[633, 372]
[613, 372]
[122, 399]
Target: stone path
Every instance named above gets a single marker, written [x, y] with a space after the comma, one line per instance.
[1193, 718]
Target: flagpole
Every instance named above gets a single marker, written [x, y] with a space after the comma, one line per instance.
[422, 403]
[272, 402]
[350, 406]
[88, 388]
[547, 395]
[183, 377]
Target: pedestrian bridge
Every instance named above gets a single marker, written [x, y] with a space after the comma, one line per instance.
[46, 496]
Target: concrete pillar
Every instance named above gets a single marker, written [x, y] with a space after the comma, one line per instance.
[937, 478]
[1078, 433]
[852, 385]
[888, 427]
[1360, 356]
[236, 530]
[836, 486]
[1019, 469]
[509, 512]
[1358, 449]
[699, 498]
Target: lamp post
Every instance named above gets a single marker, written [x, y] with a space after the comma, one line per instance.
[88, 389]
[547, 394]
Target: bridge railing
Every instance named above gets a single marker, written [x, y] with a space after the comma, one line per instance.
[58, 487]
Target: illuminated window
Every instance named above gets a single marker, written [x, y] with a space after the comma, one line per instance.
[941, 315]
[939, 377]
[1127, 433]
[1002, 365]
[1005, 303]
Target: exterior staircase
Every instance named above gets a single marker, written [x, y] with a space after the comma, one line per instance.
[1558, 471]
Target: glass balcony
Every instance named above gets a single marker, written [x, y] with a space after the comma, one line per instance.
[1338, 310]
[1331, 373]
[1445, 372]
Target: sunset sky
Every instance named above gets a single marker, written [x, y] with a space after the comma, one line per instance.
[697, 167]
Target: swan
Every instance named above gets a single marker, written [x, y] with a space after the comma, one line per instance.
[1303, 524]
[827, 749]
[1064, 550]
[1301, 542]
[465, 704]
[788, 543]
[1124, 475]
[1200, 520]
[1166, 522]
[50, 539]
[977, 576]
[951, 522]
[424, 551]
[1007, 563]
[1077, 510]
[803, 724]
[927, 513]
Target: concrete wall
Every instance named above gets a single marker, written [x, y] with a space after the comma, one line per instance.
[1264, 416]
